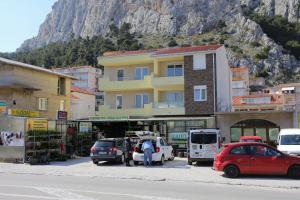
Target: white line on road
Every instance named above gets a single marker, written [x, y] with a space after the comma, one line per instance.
[68, 194]
[27, 196]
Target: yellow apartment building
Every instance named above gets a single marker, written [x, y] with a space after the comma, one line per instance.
[31, 91]
[168, 90]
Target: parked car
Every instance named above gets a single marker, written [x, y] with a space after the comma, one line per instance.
[289, 141]
[203, 145]
[110, 149]
[251, 138]
[255, 158]
[163, 151]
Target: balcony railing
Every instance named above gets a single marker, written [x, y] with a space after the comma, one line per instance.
[168, 105]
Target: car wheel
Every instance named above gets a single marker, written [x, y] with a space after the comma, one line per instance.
[162, 160]
[294, 172]
[95, 162]
[136, 162]
[172, 156]
[231, 171]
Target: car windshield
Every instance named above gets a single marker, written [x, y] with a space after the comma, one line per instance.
[290, 140]
[104, 144]
[203, 138]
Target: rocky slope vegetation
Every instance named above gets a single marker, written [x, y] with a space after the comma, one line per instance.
[226, 21]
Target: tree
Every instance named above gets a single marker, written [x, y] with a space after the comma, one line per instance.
[172, 43]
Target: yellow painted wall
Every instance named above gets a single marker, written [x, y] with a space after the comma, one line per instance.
[128, 98]
[29, 100]
[129, 70]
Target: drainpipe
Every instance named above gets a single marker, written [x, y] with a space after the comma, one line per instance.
[295, 117]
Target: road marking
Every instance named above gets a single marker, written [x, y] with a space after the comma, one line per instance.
[27, 196]
[68, 194]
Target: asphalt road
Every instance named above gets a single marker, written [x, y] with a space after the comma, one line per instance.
[30, 186]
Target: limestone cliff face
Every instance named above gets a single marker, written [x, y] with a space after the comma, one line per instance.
[93, 17]
[82, 18]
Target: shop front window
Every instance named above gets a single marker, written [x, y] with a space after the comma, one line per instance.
[236, 133]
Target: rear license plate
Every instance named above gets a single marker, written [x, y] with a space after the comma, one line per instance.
[102, 153]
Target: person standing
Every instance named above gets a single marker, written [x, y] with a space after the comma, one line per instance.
[148, 149]
[128, 151]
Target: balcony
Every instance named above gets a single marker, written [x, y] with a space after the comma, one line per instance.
[109, 112]
[167, 82]
[105, 84]
[166, 108]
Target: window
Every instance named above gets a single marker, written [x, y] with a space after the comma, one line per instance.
[241, 150]
[119, 102]
[199, 61]
[262, 151]
[43, 104]
[140, 72]
[174, 70]
[200, 93]
[174, 97]
[199, 138]
[61, 86]
[62, 105]
[141, 100]
[120, 74]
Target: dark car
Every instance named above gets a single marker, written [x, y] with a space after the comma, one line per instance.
[110, 149]
[255, 158]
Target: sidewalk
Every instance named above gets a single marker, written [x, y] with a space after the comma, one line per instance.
[176, 170]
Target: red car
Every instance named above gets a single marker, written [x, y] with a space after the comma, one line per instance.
[250, 139]
[255, 158]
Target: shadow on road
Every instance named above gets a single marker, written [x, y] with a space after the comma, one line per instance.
[75, 161]
[262, 177]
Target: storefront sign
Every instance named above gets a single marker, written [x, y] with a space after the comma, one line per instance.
[62, 115]
[3, 107]
[37, 124]
[178, 137]
[23, 113]
[85, 127]
[109, 118]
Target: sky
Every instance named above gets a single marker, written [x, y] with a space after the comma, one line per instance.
[20, 20]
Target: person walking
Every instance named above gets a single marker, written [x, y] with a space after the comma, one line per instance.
[148, 149]
[128, 151]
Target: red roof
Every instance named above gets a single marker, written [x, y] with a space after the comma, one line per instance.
[74, 97]
[169, 50]
[80, 90]
[128, 53]
[187, 49]
[275, 99]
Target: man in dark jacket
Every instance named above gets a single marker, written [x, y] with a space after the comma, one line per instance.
[128, 151]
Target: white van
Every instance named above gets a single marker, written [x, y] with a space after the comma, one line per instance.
[289, 141]
[203, 144]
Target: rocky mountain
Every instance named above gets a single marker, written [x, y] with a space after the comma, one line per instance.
[184, 18]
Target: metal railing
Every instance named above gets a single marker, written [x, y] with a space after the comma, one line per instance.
[168, 105]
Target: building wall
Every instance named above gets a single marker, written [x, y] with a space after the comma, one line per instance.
[225, 121]
[84, 107]
[28, 100]
[198, 77]
[223, 81]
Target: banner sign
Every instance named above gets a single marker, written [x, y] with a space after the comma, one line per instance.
[23, 113]
[11, 138]
[62, 115]
[3, 107]
[37, 124]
